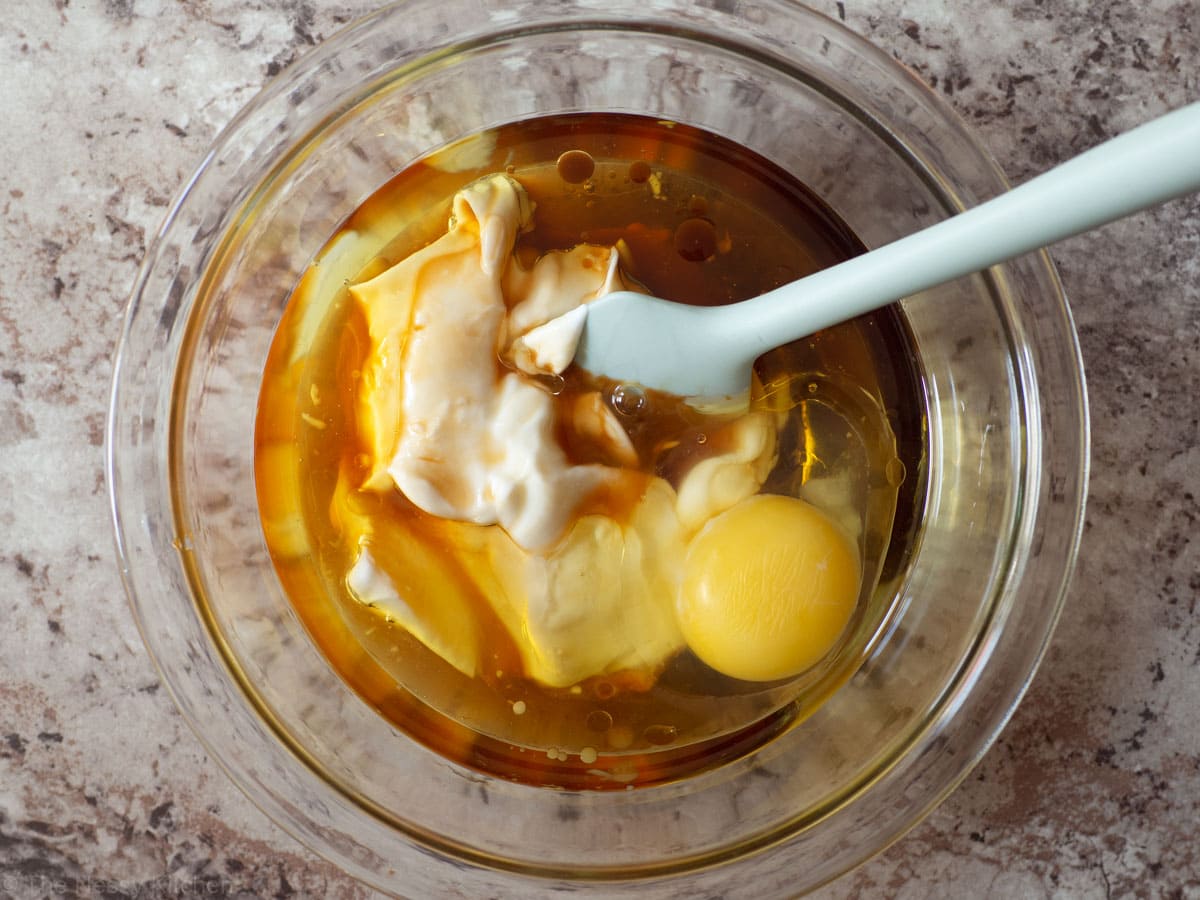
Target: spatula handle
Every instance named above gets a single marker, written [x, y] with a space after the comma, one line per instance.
[1143, 167]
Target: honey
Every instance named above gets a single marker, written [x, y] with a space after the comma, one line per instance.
[695, 218]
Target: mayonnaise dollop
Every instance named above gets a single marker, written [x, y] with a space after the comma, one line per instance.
[460, 439]
[455, 418]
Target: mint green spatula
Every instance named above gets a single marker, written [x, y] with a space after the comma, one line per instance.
[706, 353]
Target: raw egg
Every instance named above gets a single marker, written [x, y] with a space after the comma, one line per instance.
[768, 587]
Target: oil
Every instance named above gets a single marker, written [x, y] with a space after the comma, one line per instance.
[699, 219]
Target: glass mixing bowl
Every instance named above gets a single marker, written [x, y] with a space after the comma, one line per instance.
[973, 605]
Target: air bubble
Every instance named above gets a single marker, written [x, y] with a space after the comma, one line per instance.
[696, 240]
[628, 399]
[576, 166]
[895, 472]
[660, 735]
[599, 720]
[554, 384]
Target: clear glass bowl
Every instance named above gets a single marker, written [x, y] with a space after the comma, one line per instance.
[973, 608]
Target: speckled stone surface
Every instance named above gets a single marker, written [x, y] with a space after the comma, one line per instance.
[1093, 789]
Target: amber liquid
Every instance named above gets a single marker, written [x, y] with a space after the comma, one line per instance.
[699, 219]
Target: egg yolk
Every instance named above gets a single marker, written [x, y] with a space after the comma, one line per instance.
[768, 588]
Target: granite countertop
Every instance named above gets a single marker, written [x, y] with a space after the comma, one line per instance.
[1092, 790]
